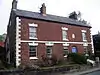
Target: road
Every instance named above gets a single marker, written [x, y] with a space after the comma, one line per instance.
[94, 73]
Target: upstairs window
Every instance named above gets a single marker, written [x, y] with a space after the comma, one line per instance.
[64, 33]
[33, 31]
[84, 35]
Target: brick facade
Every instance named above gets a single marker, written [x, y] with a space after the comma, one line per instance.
[50, 31]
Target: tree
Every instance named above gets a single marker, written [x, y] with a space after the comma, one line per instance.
[74, 15]
[1, 38]
[77, 16]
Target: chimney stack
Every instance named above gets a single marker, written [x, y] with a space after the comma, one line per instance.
[43, 9]
[14, 4]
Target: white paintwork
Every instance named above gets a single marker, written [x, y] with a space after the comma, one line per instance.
[35, 58]
[65, 44]
[66, 56]
[49, 43]
[85, 44]
[18, 42]
[33, 25]
[33, 44]
[64, 28]
[84, 31]
[66, 39]
[54, 42]
[84, 40]
[92, 44]
[32, 38]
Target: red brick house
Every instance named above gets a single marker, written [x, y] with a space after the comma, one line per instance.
[31, 35]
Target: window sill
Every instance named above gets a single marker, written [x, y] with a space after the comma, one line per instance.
[32, 38]
[35, 58]
[65, 39]
[84, 40]
[65, 56]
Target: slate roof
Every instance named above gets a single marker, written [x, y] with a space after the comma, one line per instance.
[53, 18]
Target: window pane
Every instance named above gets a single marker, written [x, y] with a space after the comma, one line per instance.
[32, 29]
[32, 51]
[84, 36]
[85, 50]
[64, 34]
[49, 51]
[65, 51]
[32, 32]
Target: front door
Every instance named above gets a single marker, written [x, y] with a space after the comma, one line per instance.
[74, 50]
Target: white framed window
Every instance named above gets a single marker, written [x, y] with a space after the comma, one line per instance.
[85, 50]
[64, 33]
[84, 35]
[65, 51]
[32, 51]
[33, 31]
[49, 51]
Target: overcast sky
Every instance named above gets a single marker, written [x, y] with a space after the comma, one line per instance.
[90, 10]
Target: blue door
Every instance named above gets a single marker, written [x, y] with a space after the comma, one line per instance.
[74, 50]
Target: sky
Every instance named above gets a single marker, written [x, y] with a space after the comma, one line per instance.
[90, 10]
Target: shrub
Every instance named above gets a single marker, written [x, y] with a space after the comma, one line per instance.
[47, 61]
[1, 65]
[77, 58]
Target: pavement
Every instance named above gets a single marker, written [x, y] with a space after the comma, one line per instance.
[83, 72]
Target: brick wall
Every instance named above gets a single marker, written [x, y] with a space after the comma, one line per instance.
[50, 31]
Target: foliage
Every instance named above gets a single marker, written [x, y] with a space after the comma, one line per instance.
[1, 65]
[77, 16]
[74, 15]
[47, 61]
[28, 65]
[1, 38]
[77, 58]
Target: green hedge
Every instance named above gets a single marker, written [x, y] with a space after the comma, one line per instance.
[77, 58]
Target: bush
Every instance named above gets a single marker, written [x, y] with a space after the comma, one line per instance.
[77, 58]
[28, 65]
[1, 65]
[47, 61]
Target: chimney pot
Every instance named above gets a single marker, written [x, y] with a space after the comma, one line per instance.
[43, 9]
[14, 4]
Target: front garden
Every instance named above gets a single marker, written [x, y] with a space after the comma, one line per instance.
[72, 63]
[73, 60]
